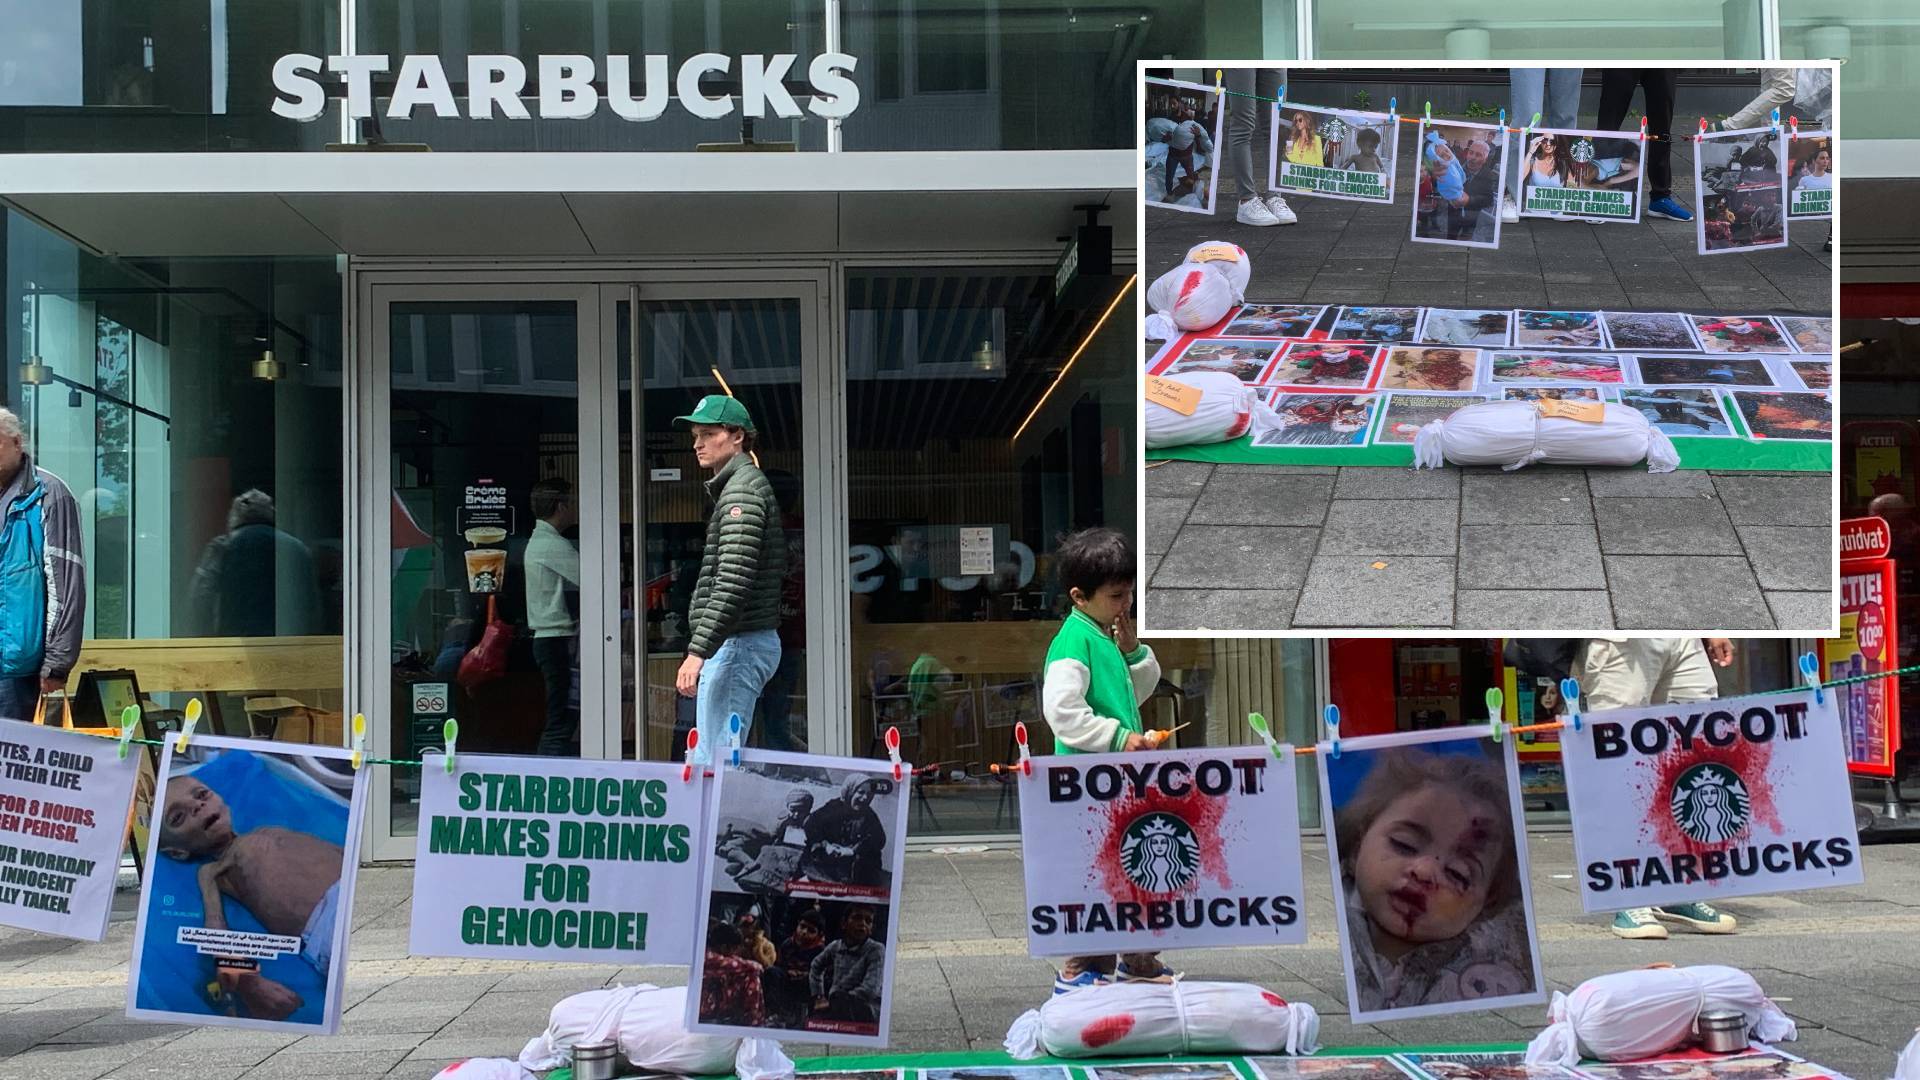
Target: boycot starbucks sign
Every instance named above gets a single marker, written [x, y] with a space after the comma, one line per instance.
[566, 89]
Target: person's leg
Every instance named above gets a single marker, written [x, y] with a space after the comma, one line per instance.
[1776, 92]
[555, 660]
[1243, 117]
[1526, 91]
[1078, 965]
[731, 682]
[19, 697]
[1660, 84]
[776, 703]
[1687, 674]
[1613, 675]
[1562, 109]
[1616, 95]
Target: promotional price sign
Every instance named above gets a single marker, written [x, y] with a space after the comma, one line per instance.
[1870, 710]
[1177, 849]
[1710, 800]
[524, 858]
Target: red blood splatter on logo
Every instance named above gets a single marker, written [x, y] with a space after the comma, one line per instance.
[1751, 762]
[1107, 1029]
[1273, 999]
[1202, 814]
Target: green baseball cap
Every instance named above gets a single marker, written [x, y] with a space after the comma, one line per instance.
[718, 409]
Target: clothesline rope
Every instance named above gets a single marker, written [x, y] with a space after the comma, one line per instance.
[1626, 134]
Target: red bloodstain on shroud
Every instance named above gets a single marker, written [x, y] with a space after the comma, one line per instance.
[1273, 999]
[1202, 814]
[1106, 1030]
[1751, 762]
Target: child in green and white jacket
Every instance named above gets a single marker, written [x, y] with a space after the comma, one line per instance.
[1098, 673]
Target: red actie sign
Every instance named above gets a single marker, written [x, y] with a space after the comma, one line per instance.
[1865, 538]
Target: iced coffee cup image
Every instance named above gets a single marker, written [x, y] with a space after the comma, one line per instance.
[486, 570]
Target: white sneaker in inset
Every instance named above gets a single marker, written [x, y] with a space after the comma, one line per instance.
[1509, 211]
[1281, 211]
[1255, 212]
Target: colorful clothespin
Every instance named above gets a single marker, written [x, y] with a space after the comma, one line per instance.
[1503, 119]
[186, 726]
[1332, 715]
[129, 723]
[1393, 106]
[1535, 122]
[1429, 112]
[1793, 129]
[693, 743]
[1643, 129]
[359, 739]
[733, 737]
[1810, 671]
[893, 753]
[450, 735]
[1494, 700]
[1570, 690]
[1259, 725]
[1281, 99]
[1219, 80]
[1776, 116]
[1020, 741]
[1703, 130]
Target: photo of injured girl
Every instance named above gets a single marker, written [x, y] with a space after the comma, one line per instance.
[245, 907]
[1339, 364]
[1434, 907]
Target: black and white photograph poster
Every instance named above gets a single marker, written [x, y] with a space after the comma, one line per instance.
[1741, 185]
[800, 905]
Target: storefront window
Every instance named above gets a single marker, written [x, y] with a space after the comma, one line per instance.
[597, 29]
[208, 478]
[126, 76]
[1878, 39]
[1472, 30]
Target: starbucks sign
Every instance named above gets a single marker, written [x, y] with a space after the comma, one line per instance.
[1159, 854]
[1710, 804]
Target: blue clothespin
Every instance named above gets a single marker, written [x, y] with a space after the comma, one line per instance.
[733, 736]
[1393, 106]
[1776, 117]
[1494, 700]
[1503, 119]
[1332, 713]
[1570, 690]
[450, 734]
[1282, 99]
[1810, 671]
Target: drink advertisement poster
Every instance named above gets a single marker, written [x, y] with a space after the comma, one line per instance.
[1869, 710]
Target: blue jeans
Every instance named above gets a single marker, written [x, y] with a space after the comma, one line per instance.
[730, 684]
[1554, 93]
[18, 697]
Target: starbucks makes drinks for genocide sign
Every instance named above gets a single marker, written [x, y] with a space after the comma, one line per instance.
[1710, 800]
[1178, 849]
[525, 858]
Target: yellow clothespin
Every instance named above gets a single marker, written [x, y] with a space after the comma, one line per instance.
[359, 739]
[186, 726]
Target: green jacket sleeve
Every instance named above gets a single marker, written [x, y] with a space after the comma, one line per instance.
[742, 540]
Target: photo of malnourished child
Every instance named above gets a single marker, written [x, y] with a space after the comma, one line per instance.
[1383, 324]
[1557, 367]
[1809, 335]
[1558, 329]
[1651, 331]
[1680, 412]
[1330, 364]
[1274, 320]
[1739, 334]
[245, 906]
[1407, 413]
[1550, 393]
[1704, 371]
[1336, 153]
[1430, 874]
[1431, 369]
[1467, 326]
[1814, 374]
[1786, 416]
[1244, 360]
[1319, 420]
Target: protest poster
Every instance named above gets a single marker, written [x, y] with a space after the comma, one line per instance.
[1741, 191]
[1739, 334]
[1170, 849]
[1337, 1067]
[1325, 365]
[1495, 1065]
[1462, 176]
[248, 897]
[1466, 326]
[1317, 419]
[1332, 153]
[1810, 180]
[1244, 360]
[529, 858]
[1704, 371]
[1584, 175]
[1809, 335]
[1273, 320]
[64, 808]
[1785, 415]
[799, 906]
[1436, 369]
[1184, 133]
[1417, 943]
[1558, 329]
[1407, 412]
[1557, 367]
[1650, 331]
[1695, 412]
[1710, 800]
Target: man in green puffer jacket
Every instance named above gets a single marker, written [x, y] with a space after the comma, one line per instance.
[734, 644]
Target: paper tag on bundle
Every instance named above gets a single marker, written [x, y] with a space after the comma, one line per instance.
[1587, 412]
[1214, 253]
[1177, 396]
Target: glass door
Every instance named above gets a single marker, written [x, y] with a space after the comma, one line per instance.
[758, 342]
[483, 561]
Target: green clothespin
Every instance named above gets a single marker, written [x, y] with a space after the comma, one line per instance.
[129, 723]
[1429, 112]
[450, 734]
[1494, 700]
[1259, 725]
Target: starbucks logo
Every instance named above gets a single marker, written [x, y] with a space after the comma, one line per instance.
[1710, 804]
[1159, 854]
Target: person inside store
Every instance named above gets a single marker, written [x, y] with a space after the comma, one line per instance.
[43, 582]
[552, 574]
[1627, 673]
[254, 580]
[733, 644]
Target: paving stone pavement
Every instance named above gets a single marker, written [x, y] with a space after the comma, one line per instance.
[1270, 548]
[1840, 961]
[1265, 547]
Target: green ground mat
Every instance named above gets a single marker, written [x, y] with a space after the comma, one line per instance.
[1695, 453]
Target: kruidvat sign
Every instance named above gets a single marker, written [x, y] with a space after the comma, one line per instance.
[567, 91]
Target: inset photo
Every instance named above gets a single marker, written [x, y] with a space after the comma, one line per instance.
[1184, 133]
[1273, 320]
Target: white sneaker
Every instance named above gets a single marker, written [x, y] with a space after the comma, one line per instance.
[1281, 211]
[1509, 211]
[1255, 212]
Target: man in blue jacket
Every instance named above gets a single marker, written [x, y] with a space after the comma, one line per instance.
[43, 586]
